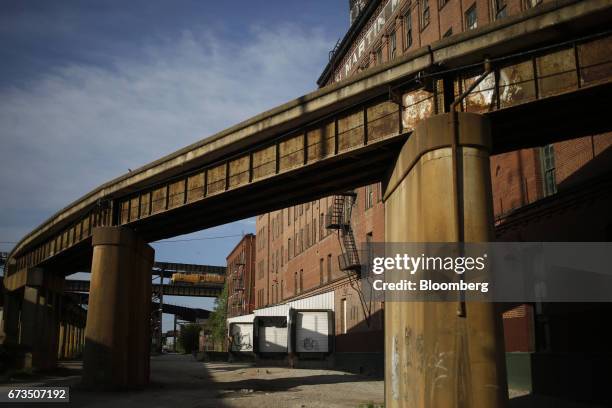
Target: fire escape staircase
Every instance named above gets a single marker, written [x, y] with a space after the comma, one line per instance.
[339, 219]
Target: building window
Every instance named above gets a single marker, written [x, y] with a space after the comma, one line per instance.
[289, 216]
[392, 45]
[532, 3]
[442, 3]
[448, 33]
[295, 283]
[343, 316]
[301, 280]
[369, 196]
[408, 28]
[425, 17]
[471, 18]
[321, 271]
[548, 170]
[281, 293]
[329, 267]
[379, 58]
[301, 240]
[499, 8]
[289, 250]
[282, 255]
[321, 226]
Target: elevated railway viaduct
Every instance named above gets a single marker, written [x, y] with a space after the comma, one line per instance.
[425, 125]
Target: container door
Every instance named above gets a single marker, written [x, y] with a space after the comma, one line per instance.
[312, 330]
[242, 336]
[272, 339]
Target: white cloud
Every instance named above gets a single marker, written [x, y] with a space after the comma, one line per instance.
[76, 126]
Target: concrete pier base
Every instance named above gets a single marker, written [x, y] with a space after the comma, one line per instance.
[32, 319]
[117, 339]
[439, 190]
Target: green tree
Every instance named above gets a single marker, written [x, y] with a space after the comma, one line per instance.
[189, 337]
[217, 321]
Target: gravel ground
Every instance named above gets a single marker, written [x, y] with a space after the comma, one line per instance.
[178, 381]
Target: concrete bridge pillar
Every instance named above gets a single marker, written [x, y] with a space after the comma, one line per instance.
[117, 337]
[80, 340]
[71, 341]
[439, 190]
[62, 341]
[11, 311]
[39, 319]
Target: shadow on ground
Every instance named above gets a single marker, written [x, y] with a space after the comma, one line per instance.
[541, 401]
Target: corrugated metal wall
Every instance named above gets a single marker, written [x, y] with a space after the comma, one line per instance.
[241, 319]
[321, 301]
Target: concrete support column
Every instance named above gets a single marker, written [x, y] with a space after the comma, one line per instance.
[75, 341]
[32, 318]
[80, 341]
[60, 342]
[39, 327]
[29, 333]
[117, 330]
[64, 340]
[439, 190]
[67, 340]
[59, 305]
[10, 322]
[69, 348]
[53, 323]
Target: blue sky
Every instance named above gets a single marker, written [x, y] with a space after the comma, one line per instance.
[89, 89]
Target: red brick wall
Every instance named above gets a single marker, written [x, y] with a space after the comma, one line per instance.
[516, 179]
[518, 329]
[573, 159]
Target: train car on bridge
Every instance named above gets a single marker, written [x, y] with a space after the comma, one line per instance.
[197, 278]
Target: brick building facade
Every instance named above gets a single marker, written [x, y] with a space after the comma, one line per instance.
[297, 256]
[240, 275]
